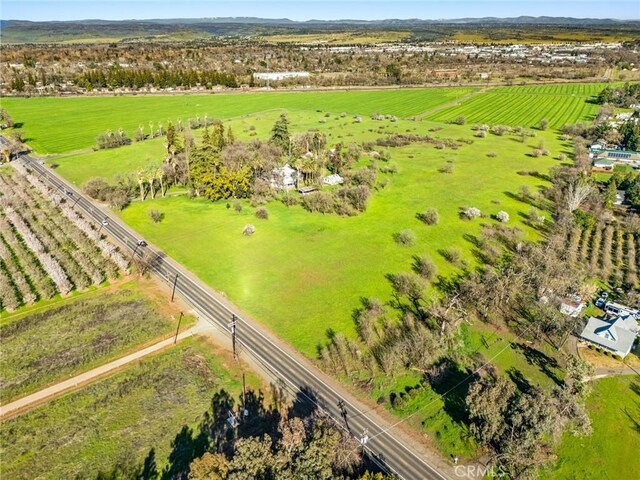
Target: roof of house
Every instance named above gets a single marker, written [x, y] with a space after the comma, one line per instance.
[612, 335]
[603, 162]
[333, 179]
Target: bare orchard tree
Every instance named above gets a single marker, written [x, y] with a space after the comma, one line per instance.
[577, 192]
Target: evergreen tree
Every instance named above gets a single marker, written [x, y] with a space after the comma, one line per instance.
[230, 136]
[280, 133]
[171, 136]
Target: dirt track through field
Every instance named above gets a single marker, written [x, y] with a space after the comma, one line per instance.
[30, 401]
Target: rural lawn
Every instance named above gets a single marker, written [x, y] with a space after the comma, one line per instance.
[304, 273]
[132, 415]
[56, 125]
[612, 450]
[43, 346]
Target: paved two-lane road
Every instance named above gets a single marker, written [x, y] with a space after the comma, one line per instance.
[389, 447]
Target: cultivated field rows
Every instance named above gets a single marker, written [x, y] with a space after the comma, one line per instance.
[45, 246]
[607, 251]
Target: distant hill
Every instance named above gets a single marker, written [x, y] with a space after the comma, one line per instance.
[22, 31]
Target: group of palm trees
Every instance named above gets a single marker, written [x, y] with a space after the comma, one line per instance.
[151, 179]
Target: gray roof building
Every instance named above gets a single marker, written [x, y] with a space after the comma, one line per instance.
[613, 335]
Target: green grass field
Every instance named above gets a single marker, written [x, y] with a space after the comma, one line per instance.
[526, 105]
[612, 450]
[56, 125]
[121, 417]
[303, 273]
[44, 346]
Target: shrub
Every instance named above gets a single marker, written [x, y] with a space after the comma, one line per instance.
[356, 197]
[237, 206]
[451, 254]
[405, 237]
[389, 168]
[615, 356]
[502, 216]
[459, 120]
[500, 130]
[492, 154]
[289, 200]
[321, 202]
[248, 230]
[430, 216]
[97, 188]
[481, 134]
[262, 213]
[446, 168]
[424, 267]
[112, 139]
[118, 198]
[156, 216]
[544, 124]
[536, 152]
[535, 218]
[471, 213]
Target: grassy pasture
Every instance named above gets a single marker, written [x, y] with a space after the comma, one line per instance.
[303, 273]
[57, 125]
[526, 105]
[80, 167]
[612, 450]
[77, 334]
[122, 417]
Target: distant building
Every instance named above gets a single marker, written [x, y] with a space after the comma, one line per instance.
[284, 178]
[606, 159]
[572, 306]
[334, 179]
[275, 76]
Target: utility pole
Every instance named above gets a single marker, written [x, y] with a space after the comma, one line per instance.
[232, 325]
[175, 340]
[173, 293]
[134, 253]
[245, 412]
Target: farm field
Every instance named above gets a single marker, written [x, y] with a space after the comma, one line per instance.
[609, 252]
[80, 167]
[50, 344]
[77, 121]
[526, 105]
[605, 454]
[299, 272]
[128, 417]
[43, 251]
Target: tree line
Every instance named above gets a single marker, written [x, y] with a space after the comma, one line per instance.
[248, 439]
[118, 77]
[624, 96]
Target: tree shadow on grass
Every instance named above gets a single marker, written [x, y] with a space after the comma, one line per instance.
[453, 387]
[518, 378]
[544, 362]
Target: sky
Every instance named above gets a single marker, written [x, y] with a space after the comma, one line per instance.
[44, 10]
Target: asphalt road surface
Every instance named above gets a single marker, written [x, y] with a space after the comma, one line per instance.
[291, 369]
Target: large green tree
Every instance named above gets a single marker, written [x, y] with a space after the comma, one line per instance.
[280, 133]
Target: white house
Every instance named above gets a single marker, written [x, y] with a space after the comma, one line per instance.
[279, 75]
[572, 306]
[616, 332]
[334, 179]
[284, 178]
